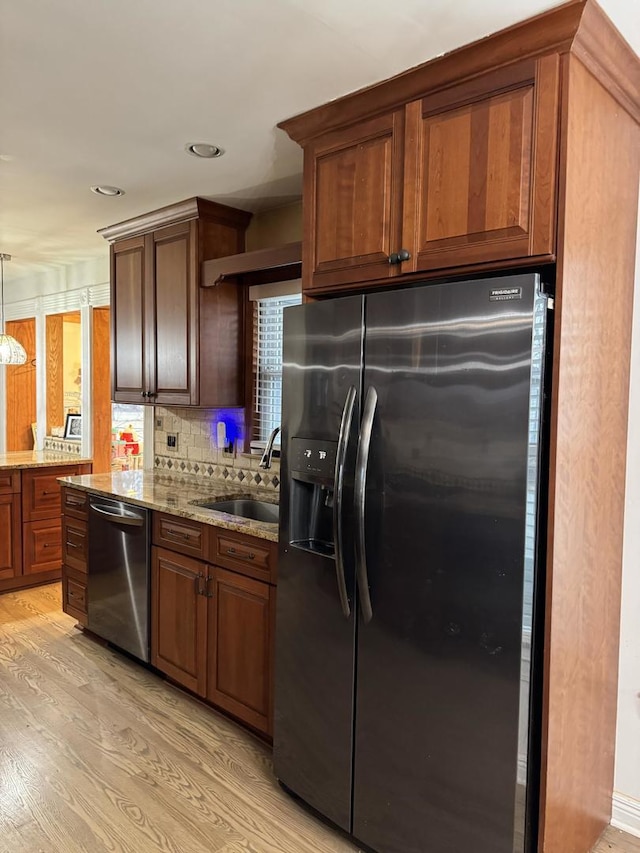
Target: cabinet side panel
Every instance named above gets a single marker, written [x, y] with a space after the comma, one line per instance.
[597, 235]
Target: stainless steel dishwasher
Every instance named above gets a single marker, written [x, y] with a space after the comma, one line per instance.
[118, 575]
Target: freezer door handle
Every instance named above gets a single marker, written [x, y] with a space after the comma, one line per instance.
[341, 455]
[362, 463]
[129, 519]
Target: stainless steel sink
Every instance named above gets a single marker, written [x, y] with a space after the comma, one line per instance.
[245, 508]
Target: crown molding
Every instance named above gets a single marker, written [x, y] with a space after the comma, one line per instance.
[580, 27]
[172, 214]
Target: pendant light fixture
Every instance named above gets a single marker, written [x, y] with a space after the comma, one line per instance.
[11, 352]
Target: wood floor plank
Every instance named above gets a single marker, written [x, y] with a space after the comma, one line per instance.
[98, 754]
[143, 774]
[614, 841]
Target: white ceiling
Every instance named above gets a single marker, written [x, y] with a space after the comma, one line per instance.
[110, 91]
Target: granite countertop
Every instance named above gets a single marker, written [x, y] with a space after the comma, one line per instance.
[173, 493]
[39, 459]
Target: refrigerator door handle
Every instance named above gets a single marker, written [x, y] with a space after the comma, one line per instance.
[341, 455]
[362, 463]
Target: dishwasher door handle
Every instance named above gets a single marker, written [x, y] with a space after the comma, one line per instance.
[130, 519]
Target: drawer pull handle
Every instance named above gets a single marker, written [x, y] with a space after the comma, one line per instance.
[177, 533]
[71, 545]
[244, 555]
[72, 502]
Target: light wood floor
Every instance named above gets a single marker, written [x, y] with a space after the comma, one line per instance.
[97, 754]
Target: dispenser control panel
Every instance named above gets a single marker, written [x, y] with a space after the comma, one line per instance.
[313, 456]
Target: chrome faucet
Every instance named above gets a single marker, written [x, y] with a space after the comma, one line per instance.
[265, 461]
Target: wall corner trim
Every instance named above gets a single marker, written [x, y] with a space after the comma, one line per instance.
[626, 814]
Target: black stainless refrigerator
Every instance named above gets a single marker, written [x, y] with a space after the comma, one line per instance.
[406, 702]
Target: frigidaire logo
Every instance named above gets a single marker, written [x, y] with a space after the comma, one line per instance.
[501, 294]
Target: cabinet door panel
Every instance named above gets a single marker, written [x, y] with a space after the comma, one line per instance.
[483, 183]
[240, 647]
[353, 178]
[174, 297]
[179, 619]
[128, 320]
[10, 537]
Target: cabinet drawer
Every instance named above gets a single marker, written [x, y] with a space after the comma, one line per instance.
[75, 502]
[41, 493]
[74, 596]
[246, 554]
[9, 482]
[42, 546]
[180, 534]
[74, 543]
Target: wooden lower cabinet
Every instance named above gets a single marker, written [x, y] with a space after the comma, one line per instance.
[212, 629]
[10, 537]
[179, 618]
[74, 549]
[239, 661]
[31, 537]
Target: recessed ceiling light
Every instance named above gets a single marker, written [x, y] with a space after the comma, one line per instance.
[106, 190]
[204, 150]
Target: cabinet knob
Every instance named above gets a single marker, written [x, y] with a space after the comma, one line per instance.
[143, 393]
[399, 257]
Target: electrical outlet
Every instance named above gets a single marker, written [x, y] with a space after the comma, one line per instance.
[158, 423]
[172, 441]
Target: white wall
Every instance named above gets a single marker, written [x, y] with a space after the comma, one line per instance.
[626, 803]
[56, 280]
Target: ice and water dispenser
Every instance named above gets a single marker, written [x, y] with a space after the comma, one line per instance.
[312, 467]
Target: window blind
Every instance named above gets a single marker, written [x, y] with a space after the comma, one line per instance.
[268, 361]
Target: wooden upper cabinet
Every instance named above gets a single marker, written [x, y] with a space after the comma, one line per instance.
[128, 337]
[353, 186]
[167, 332]
[464, 175]
[480, 169]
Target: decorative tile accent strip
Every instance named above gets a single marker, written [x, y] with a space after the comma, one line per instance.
[229, 473]
[62, 446]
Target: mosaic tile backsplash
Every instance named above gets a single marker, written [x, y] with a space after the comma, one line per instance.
[196, 450]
